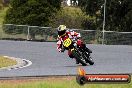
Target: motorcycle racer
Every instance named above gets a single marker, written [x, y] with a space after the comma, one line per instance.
[62, 31]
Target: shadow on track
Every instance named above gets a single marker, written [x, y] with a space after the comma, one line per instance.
[76, 66]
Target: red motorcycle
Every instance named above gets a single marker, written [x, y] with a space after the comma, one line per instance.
[80, 54]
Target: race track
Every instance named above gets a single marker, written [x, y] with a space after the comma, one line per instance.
[46, 60]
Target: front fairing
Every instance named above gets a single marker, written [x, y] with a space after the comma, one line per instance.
[67, 42]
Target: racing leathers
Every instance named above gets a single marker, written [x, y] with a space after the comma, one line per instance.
[74, 36]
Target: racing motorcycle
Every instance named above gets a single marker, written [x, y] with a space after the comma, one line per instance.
[80, 54]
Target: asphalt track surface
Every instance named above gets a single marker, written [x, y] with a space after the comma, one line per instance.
[46, 60]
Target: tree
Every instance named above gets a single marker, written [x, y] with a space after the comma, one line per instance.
[118, 16]
[91, 8]
[72, 17]
[31, 12]
[118, 12]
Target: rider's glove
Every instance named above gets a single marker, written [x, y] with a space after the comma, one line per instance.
[62, 50]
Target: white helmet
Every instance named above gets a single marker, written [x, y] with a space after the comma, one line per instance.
[61, 30]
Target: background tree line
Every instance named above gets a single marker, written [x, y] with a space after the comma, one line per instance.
[118, 13]
[86, 14]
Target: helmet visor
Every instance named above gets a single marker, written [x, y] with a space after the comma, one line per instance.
[60, 33]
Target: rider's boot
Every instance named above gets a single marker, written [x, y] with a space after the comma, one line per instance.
[87, 50]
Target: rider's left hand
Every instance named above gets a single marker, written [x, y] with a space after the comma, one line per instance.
[62, 50]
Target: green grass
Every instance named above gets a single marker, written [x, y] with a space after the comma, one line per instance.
[4, 62]
[56, 83]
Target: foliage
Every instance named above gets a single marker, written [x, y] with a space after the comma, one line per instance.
[90, 6]
[31, 12]
[72, 17]
[118, 13]
[118, 16]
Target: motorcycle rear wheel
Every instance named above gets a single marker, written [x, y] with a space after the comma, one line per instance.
[79, 58]
[90, 61]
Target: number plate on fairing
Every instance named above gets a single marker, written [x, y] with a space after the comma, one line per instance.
[67, 42]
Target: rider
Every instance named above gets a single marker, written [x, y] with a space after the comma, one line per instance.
[62, 31]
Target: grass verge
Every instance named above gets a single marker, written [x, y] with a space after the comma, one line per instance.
[63, 82]
[4, 62]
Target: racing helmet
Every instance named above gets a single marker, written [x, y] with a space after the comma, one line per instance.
[61, 30]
